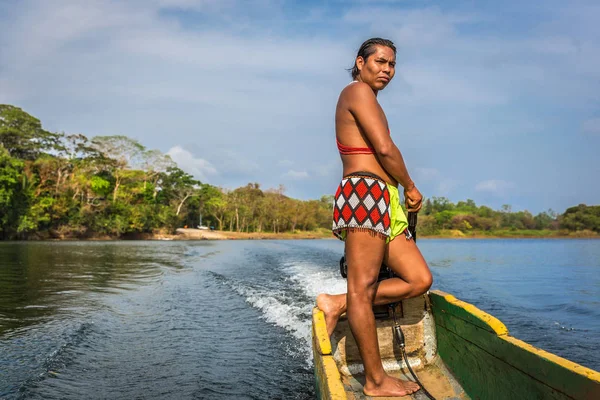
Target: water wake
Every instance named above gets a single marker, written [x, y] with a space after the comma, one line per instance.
[290, 304]
[58, 356]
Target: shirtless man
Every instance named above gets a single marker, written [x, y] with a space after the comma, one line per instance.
[368, 216]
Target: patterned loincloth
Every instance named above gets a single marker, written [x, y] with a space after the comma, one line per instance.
[362, 202]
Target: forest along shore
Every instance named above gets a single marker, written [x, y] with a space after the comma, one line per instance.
[56, 186]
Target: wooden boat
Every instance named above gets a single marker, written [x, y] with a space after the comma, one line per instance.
[456, 350]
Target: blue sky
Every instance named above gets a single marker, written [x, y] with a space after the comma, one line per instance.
[494, 101]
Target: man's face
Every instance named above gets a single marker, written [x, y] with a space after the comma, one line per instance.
[379, 68]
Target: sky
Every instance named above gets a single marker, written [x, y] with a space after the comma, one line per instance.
[498, 102]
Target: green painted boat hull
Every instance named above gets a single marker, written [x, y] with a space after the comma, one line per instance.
[491, 364]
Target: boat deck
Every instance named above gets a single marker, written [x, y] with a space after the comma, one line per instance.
[435, 377]
[419, 332]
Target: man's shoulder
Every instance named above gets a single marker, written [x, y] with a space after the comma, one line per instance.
[357, 91]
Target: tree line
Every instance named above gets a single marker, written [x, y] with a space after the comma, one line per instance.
[68, 185]
[439, 214]
[59, 185]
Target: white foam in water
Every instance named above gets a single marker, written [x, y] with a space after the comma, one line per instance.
[279, 313]
[312, 279]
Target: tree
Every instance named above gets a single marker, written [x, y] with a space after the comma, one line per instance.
[428, 207]
[545, 220]
[13, 197]
[214, 203]
[581, 217]
[275, 204]
[177, 186]
[468, 206]
[22, 135]
[444, 219]
[441, 204]
[121, 155]
[246, 205]
[485, 212]
[154, 162]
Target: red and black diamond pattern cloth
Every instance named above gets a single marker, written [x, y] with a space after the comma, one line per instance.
[361, 203]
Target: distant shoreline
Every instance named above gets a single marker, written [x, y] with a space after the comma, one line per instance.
[197, 234]
[201, 234]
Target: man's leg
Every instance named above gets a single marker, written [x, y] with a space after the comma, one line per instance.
[364, 254]
[405, 259]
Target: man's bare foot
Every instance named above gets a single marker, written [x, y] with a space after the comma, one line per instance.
[390, 387]
[331, 308]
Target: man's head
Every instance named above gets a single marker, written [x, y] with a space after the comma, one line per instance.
[375, 63]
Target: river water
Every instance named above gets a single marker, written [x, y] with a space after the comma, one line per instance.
[231, 319]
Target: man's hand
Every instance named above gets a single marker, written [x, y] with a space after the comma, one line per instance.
[413, 198]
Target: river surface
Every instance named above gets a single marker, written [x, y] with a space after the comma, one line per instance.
[231, 319]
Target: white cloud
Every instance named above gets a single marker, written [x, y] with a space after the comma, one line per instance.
[235, 163]
[432, 178]
[446, 186]
[495, 186]
[441, 64]
[292, 174]
[418, 27]
[235, 76]
[591, 126]
[196, 5]
[197, 167]
[327, 170]
[8, 93]
[426, 174]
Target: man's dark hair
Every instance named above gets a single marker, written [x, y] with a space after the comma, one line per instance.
[367, 49]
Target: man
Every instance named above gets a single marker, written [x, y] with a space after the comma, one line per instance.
[368, 216]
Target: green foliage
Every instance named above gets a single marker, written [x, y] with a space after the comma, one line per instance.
[123, 151]
[10, 178]
[443, 219]
[428, 226]
[13, 194]
[581, 217]
[26, 224]
[22, 135]
[100, 185]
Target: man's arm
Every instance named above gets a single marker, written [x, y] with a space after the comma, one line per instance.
[364, 107]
